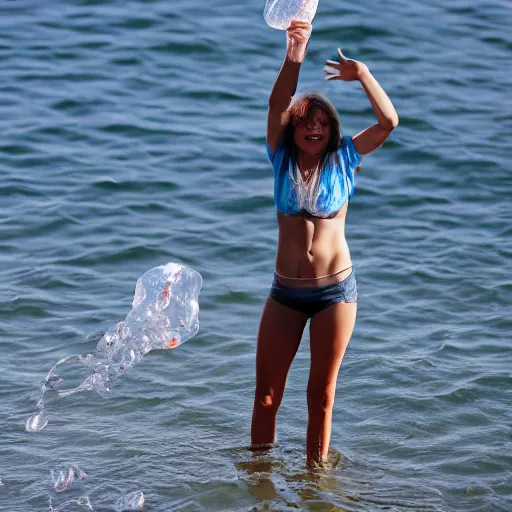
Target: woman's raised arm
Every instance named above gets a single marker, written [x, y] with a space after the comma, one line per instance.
[373, 137]
[297, 37]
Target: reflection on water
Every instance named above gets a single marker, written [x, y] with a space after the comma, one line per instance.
[279, 479]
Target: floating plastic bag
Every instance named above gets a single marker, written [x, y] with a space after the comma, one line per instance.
[164, 315]
[280, 13]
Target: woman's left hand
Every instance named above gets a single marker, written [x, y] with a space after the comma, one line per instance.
[346, 69]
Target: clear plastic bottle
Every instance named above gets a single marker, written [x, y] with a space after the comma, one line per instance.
[280, 13]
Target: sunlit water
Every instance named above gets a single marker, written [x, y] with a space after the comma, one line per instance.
[133, 135]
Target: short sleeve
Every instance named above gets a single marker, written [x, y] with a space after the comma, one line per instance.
[350, 158]
[349, 153]
[277, 156]
[272, 155]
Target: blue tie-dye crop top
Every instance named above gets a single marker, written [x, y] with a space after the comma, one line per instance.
[333, 187]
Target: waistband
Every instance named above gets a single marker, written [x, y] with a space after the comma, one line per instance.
[313, 282]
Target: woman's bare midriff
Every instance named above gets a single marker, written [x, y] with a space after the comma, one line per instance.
[310, 248]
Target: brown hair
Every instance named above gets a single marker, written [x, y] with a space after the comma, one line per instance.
[301, 110]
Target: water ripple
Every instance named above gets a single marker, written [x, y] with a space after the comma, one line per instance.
[134, 134]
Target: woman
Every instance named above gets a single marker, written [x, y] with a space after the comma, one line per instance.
[314, 178]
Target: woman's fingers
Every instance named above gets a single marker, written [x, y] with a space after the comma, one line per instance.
[299, 24]
[331, 71]
[341, 56]
[298, 30]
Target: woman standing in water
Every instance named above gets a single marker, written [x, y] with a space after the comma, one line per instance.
[313, 180]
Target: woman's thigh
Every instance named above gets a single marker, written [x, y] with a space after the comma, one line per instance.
[279, 338]
[330, 332]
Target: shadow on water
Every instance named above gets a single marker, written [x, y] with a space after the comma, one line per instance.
[279, 480]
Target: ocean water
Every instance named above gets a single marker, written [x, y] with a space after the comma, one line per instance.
[132, 134]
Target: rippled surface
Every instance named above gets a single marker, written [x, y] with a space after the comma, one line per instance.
[133, 135]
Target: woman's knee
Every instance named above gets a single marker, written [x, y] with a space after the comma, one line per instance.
[320, 399]
[267, 398]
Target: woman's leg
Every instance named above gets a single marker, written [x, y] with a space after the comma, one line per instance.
[330, 332]
[279, 337]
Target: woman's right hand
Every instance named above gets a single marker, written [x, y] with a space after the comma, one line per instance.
[297, 38]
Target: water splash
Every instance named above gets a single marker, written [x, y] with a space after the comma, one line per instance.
[164, 315]
[64, 479]
[132, 501]
[84, 502]
[65, 482]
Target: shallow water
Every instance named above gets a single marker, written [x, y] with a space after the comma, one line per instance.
[133, 135]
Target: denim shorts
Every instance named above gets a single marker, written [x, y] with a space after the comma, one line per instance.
[313, 300]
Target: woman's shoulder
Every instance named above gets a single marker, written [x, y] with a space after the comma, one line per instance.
[348, 152]
[278, 155]
[343, 162]
[346, 141]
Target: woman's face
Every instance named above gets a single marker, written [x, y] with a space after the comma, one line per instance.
[314, 138]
